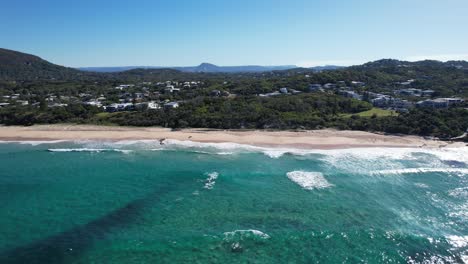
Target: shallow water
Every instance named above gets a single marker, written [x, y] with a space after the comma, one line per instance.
[185, 202]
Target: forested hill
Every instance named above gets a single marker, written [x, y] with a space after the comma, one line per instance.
[446, 78]
[20, 66]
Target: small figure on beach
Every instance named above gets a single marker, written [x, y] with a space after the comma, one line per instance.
[161, 141]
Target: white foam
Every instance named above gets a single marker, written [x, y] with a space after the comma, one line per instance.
[422, 170]
[126, 151]
[464, 258]
[309, 180]
[211, 180]
[421, 185]
[347, 159]
[436, 259]
[245, 233]
[363, 160]
[33, 142]
[457, 241]
[227, 148]
[459, 192]
[334, 156]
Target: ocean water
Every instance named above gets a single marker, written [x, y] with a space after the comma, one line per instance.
[186, 202]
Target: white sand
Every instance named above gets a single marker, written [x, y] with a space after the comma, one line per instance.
[313, 139]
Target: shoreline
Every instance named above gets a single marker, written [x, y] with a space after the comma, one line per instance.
[310, 139]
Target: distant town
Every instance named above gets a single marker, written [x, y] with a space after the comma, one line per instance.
[146, 96]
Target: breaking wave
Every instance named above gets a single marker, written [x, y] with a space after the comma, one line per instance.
[243, 234]
[459, 243]
[422, 170]
[349, 159]
[126, 151]
[33, 142]
[211, 180]
[309, 180]
[459, 192]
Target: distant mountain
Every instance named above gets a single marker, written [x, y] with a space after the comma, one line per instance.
[204, 67]
[208, 67]
[17, 66]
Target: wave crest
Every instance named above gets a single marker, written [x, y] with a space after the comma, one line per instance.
[211, 180]
[243, 234]
[126, 151]
[421, 170]
[309, 180]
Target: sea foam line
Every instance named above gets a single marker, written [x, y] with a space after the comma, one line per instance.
[421, 170]
[333, 156]
[126, 151]
[377, 153]
[32, 142]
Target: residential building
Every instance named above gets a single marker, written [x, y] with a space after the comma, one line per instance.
[315, 87]
[215, 93]
[356, 83]
[148, 105]
[22, 102]
[409, 92]
[350, 94]
[270, 94]
[427, 93]
[283, 90]
[440, 102]
[171, 105]
[329, 86]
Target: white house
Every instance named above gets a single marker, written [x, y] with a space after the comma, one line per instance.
[22, 102]
[356, 83]
[440, 102]
[171, 105]
[93, 102]
[153, 105]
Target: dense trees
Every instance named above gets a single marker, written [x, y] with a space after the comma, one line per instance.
[28, 115]
[302, 111]
[308, 111]
[444, 123]
[32, 79]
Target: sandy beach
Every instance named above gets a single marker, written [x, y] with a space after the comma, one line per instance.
[314, 139]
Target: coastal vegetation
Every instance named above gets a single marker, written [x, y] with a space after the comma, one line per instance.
[374, 112]
[34, 91]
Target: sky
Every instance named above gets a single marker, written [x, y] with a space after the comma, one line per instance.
[90, 33]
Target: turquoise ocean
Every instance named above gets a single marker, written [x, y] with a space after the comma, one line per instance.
[186, 202]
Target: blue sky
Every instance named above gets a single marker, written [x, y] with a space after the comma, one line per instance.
[236, 32]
